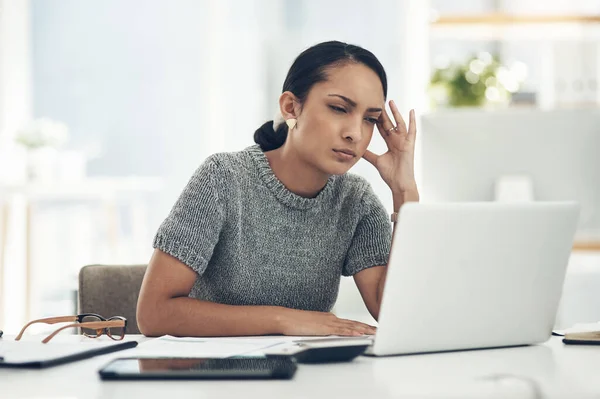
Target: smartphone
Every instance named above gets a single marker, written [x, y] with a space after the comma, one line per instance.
[282, 367]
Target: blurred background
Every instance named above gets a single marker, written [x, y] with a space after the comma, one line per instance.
[108, 106]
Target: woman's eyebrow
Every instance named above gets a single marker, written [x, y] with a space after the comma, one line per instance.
[353, 103]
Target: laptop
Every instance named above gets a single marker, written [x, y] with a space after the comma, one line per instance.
[474, 275]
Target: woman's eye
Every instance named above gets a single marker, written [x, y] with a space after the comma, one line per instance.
[337, 109]
[371, 120]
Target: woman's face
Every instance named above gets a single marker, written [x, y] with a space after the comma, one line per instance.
[337, 119]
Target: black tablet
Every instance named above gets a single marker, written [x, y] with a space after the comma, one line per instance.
[198, 368]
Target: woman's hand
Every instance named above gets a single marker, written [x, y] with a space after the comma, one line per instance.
[303, 322]
[396, 166]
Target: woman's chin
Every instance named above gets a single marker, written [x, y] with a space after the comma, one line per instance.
[338, 168]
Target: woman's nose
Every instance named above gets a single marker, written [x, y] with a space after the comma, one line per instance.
[353, 132]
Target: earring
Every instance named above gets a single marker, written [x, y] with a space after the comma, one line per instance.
[291, 123]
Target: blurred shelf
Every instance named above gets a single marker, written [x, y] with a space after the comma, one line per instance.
[509, 19]
[500, 26]
[510, 111]
[91, 187]
[587, 240]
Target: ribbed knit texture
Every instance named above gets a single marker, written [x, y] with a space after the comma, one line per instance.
[254, 242]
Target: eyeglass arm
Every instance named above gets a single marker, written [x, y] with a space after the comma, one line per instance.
[48, 320]
[100, 326]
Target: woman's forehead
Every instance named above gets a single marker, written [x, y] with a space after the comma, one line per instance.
[354, 81]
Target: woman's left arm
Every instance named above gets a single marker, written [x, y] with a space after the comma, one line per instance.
[370, 282]
[396, 168]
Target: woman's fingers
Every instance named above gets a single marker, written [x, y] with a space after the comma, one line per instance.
[345, 331]
[386, 124]
[330, 324]
[358, 323]
[412, 125]
[370, 157]
[382, 131]
[358, 326]
[370, 329]
[400, 124]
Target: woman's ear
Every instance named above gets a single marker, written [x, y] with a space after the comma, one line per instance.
[288, 105]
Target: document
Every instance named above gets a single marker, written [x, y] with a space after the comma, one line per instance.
[169, 346]
[335, 341]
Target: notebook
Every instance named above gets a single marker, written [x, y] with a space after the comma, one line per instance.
[582, 338]
[29, 354]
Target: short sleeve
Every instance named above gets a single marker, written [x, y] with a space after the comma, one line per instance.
[372, 238]
[191, 230]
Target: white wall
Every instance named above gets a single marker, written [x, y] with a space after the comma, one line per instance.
[153, 87]
[15, 109]
[15, 81]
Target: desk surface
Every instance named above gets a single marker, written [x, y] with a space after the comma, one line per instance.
[551, 370]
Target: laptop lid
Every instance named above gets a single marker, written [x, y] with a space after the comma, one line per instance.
[474, 275]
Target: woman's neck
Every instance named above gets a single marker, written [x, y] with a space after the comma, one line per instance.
[295, 174]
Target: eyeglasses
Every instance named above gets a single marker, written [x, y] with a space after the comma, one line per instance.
[92, 325]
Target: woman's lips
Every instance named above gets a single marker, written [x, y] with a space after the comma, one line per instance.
[344, 154]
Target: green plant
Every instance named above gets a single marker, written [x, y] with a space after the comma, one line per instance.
[482, 79]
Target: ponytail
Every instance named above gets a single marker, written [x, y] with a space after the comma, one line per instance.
[269, 139]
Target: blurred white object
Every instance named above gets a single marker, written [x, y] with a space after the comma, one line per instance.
[41, 164]
[43, 132]
[464, 152]
[47, 164]
[515, 188]
[576, 73]
[13, 164]
[71, 166]
[42, 138]
[580, 302]
[29, 238]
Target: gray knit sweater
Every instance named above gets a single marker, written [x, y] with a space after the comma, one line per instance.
[253, 242]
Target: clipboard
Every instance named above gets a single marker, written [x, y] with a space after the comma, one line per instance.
[50, 361]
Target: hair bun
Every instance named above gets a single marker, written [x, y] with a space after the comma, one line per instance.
[269, 139]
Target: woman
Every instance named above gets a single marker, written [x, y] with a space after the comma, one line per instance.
[258, 240]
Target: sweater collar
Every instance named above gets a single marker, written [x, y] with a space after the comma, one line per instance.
[278, 188]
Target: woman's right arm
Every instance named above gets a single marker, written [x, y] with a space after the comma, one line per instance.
[165, 308]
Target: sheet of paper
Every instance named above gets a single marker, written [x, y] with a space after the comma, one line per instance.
[29, 351]
[168, 346]
[335, 341]
[298, 344]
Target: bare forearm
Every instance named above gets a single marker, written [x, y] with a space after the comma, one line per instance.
[184, 316]
[380, 286]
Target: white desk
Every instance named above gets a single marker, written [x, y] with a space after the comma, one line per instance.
[560, 371]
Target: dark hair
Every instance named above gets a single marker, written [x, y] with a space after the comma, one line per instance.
[309, 68]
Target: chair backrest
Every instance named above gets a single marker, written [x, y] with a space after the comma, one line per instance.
[111, 291]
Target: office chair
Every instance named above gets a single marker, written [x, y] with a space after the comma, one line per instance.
[111, 290]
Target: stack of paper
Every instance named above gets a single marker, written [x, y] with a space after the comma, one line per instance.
[169, 346]
[578, 328]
